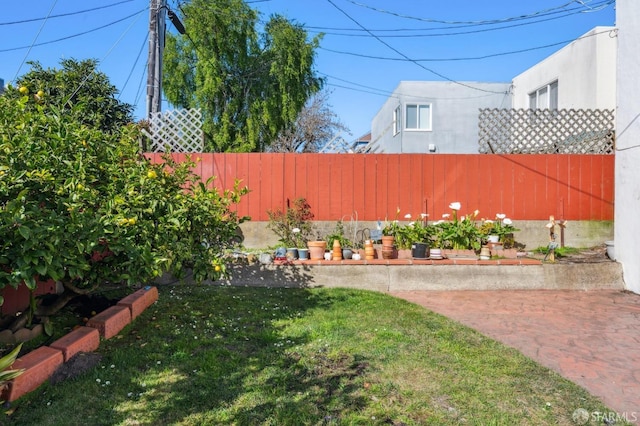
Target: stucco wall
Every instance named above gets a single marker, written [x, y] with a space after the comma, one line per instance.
[454, 116]
[532, 233]
[627, 192]
[585, 71]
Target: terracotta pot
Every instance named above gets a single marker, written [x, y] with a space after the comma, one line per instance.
[389, 252]
[316, 249]
[388, 241]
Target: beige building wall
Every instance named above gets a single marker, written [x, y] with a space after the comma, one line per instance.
[585, 71]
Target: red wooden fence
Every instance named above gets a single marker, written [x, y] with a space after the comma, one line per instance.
[373, 186]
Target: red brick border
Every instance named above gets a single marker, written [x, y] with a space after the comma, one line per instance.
[110, 321]
[38, 366]
[41, 363]
[140, 300]
[82, 339]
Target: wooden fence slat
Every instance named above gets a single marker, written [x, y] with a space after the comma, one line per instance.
[525, 187]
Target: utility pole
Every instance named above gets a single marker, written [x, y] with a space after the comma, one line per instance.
[157, 27]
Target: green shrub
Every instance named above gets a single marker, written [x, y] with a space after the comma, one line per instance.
[83, 206]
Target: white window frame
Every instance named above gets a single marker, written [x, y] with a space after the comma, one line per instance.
[397, 120]
[420, 127]
[545, 97]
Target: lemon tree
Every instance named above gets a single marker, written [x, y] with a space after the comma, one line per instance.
[80, 203]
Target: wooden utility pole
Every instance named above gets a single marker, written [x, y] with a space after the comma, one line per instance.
[157, 26]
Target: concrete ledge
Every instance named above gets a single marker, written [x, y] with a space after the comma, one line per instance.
[82, 339]
[140, 300]
[110, 321]
[383, 276]
[39, 365]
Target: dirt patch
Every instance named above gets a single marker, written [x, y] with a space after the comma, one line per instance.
[77, 365]
[597, 254]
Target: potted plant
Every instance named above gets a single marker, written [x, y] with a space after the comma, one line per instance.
[500, 229]
[345, 243]
[415, 235]
[300, 242]
[292, 226]
[459, 233]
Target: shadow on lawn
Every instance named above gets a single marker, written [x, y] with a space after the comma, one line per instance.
[241, 363]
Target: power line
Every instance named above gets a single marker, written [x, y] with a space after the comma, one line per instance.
[479, 22]
[61, 15]
[358, 32]
[469, 58]
[34, 41]
[144, 43]
[74, 35]
[405, 56]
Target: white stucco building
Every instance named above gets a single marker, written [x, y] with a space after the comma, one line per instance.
[627, 174]
[581, 75]
[442, 116]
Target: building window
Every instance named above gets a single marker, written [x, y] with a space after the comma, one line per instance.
[418, 117]
[396, 121]
[545, 97]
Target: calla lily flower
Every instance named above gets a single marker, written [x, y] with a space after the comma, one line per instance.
[295, 230]
[423, 215]
[488, 221]
[476, 213]
[501, 216]
[446, 216]
[507, 221]
[455, 206]
[407, 216]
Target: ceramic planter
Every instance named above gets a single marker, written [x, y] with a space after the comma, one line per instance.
[316, 249]
[419, 250]
[303, 253]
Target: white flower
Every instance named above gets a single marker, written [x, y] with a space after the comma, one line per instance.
[438, 222]
[407, 216]
[446, 216]
[476, 212]
[295, 230]
[488, 221]
[455, 206]
[423, 215]
[549, 225]
[501, 216]
[507, 221]
[411, 223]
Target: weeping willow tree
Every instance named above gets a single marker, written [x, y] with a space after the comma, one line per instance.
[249, 85]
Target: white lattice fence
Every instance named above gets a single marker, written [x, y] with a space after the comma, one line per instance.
[544, 131]
[177, 131]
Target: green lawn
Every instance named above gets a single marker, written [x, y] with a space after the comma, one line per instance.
[206, 355]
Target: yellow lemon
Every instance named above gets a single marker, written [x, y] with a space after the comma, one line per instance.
[23, 89]
[217, 268]
[132, 221]
[151, 174]
[80, 187]
[40, 93]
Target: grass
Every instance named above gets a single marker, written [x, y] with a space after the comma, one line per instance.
[559, 251]
[205, 355]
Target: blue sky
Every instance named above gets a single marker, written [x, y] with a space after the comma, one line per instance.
[369, 46]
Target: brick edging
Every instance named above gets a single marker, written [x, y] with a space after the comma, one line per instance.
[41, 363]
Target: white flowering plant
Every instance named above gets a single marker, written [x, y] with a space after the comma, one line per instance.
[501, 226]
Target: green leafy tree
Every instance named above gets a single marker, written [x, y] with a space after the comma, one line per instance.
[84, 207]
[78, 89]
[249, 86]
